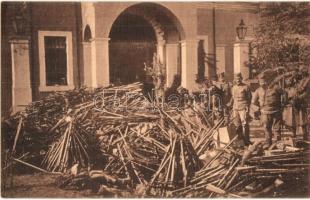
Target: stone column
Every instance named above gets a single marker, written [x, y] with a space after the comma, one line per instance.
[189, 50]
[172, 53]
[161, 51]
[203, 45]
[100, 55]
[89, 66]
[21, 84]
[241, 58]
[220, 59]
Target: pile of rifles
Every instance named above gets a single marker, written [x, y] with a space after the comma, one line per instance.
[117, 141]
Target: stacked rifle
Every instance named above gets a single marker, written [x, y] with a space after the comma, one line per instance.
[123, 141]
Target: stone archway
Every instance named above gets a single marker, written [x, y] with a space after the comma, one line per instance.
[154, 29]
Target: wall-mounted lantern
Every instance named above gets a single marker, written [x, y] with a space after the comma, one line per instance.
[241, 30]
[18, 23]
[19, 19]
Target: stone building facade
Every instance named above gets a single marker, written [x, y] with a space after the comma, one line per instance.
[58, 46]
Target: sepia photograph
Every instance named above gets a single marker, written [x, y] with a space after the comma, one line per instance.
[155, 99]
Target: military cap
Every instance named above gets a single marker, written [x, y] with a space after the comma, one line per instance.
[222, 75]
[238, 75]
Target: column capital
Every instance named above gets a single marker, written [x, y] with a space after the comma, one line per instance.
[241, 45]
[86, 43]
[161, 42]
[19, 40]
[189, 42]
[242, 42]
[221, 45]
[172, 44]
[101, 39]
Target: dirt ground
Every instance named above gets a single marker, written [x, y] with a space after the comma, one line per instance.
[40, 185]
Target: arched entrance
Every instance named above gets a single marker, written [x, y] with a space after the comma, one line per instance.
[138, 32]
[132, 43]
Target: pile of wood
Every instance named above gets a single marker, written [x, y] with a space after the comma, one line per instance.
[116, 128]
[237, 174]
[119, 140]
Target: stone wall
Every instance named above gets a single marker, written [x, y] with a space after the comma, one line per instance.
[53, 16]
[6, 70]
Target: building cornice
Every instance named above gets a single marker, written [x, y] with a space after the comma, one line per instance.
[230, 6]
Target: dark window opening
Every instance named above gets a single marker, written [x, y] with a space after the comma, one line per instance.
[55, 60]
[132, 44]
[201, 60]
[87, 34]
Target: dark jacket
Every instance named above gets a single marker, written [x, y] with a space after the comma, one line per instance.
[269, 100]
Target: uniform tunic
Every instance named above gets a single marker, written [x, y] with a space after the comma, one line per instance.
[241, 98]
[226, 89]
[269, 99]
[299, 99]
[241, 95]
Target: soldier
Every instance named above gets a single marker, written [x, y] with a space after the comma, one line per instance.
[159, 83]
[301, 99]
[225, 87]
[241, 99]
[225, 94]
[214, 100]
[148, 84]
[199, 86]
[269, 100]
[288, 117]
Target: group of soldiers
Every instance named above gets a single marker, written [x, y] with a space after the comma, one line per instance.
[275, 104]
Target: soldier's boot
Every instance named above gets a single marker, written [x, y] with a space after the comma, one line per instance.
[246, 132]
[239, 132]
[304, 132]
[278, 136]
[294, 129]
[268, 138]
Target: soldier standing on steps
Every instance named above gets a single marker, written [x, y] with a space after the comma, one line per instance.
[241, 99]
[301, 100]
[224, 89]
[269, 99]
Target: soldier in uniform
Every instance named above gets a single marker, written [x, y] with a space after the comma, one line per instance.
[288, 117]
[159, 83]
[269, 99]
[223, 96]
[300, 99]
[241, 99]
[225, 88]
[199, 86]
[148, 84]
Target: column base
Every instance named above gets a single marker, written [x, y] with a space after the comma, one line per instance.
[21, 98]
